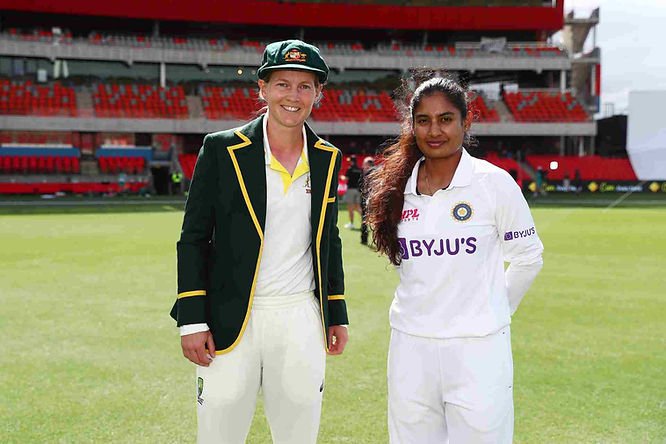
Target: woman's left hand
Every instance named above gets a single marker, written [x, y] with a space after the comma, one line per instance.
[337, 338]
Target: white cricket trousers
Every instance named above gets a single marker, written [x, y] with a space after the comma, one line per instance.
[283, 353]
[456, 390]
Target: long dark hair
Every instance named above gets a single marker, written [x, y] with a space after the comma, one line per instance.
[387, 182]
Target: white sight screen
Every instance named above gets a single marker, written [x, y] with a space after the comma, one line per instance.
[646, 134]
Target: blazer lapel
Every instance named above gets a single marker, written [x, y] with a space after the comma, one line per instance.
[249, 165]
[322, 163]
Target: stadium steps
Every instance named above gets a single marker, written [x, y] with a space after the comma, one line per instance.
[195, 106]
[89, 168]
[503, 112]
[84, 103]
[528, 168]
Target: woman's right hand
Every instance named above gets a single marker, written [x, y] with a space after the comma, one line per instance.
[199, 347]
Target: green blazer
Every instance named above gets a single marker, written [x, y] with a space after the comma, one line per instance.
[223, 233]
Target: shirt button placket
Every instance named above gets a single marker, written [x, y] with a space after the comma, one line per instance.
[429, 215]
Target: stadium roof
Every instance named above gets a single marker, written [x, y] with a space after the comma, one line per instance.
[330, 15]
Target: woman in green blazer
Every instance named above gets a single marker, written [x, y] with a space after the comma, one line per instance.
[260, 277]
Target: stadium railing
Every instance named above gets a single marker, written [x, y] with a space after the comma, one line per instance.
[217, 43]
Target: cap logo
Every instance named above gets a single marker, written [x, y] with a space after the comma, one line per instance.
[294, 55]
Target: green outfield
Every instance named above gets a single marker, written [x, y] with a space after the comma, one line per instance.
[89, 353]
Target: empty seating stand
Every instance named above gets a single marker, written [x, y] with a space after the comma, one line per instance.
[117, 164]
[356, 105]
[40, 35]
[39, 160]
[187, 162]
[140, 101]
[341, 48]
[354, 48]
[229, 102]
[481, 111]
[545, 106]
[125, 159]
[33, 138]
[26, 98]
[39, 165]
[133, 186]
[539, 51]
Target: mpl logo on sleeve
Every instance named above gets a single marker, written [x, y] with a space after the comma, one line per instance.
[410, 214]
[511, 235]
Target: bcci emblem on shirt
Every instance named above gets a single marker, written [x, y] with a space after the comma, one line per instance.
[462, 212]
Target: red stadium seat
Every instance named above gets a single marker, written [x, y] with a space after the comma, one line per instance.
[545, 106]
[26, 98]
[124, 164]
[481, 111]
[355, 105]
[139, 101]
[229, 102]
[187, 162]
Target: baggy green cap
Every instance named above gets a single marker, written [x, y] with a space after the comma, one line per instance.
[293, 54]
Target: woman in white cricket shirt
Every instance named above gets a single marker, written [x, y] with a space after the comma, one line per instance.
[449, 221]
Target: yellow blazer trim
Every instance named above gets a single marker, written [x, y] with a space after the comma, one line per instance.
[334, 152]
[187, 294]
[246, 197]
[336, 297]
[330, 199]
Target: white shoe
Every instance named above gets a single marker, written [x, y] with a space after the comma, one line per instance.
[349, 225]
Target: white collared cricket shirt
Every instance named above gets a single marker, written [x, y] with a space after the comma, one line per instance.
[286, 259]
[454, 245]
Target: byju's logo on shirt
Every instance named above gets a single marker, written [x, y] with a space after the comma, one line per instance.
[511, 235]
[410, 214]
[436, 247]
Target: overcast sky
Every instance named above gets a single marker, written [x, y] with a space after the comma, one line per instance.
[633, 51]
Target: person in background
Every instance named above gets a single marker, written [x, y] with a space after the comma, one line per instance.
[368, 166]
[176, 183]
[353, 194]
[566, 182]
[538, 180]
[577, 181]
[260, 277]
[449, 221]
